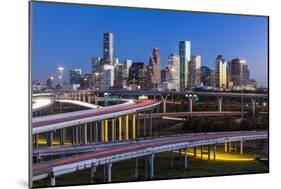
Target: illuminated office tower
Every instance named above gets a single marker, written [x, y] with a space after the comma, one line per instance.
[126, 66]
[125, 72]
[137, 76]
[108, 48]
[207, 76]
[75, 76]
[174, 71]
[184, 53]
[240, 73]
[194, 71]
[220, 72]
[96, 65]
[118, 68]
[154, 69]
[107, 77]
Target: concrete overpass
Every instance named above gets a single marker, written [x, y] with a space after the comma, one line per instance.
[165, 94]
[54, 168]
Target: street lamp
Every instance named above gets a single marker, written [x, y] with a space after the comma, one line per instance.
[190, 98]
[105, 98]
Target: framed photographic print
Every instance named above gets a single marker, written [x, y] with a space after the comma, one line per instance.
[126, 94]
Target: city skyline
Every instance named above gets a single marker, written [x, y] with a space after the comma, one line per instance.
[46, 59]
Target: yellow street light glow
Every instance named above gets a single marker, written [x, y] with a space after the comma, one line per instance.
[223, 156]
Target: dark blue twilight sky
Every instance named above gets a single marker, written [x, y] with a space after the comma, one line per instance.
[69, 35]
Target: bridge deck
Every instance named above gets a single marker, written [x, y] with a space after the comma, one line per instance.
[138, 149]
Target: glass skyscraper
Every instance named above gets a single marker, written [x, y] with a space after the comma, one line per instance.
[108, 48]
[184, 53]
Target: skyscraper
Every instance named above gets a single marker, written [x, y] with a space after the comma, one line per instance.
[86, 81]
[174, 71]
[221, 72]
[184, 53]
[107, 77]
[75, 76]
[240, 73]
[207, 76]
[126, 65]
[137, 75]
[108, 48]
[117, 73]
[194, 70]
[154, 69]
[164, 75]
[96, 64]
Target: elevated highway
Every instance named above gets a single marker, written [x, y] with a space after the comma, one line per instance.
[64, 120]
[137, 149]
[197, 114]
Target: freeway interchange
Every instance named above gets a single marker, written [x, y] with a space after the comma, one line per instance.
[90, 135]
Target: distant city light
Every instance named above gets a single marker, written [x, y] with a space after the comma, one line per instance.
[60, 68]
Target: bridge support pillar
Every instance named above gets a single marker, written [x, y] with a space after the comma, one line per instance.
[219, 103]
[102, 130]
[144, 124]
[138, 124]
[127, 127]
[241, 147]
[91, 133]
[137, 168]
[93, 171]
[113, 132]
[62, 136]
[253, 100]
[194, 152]
[150, 122]
[145, 166]
[185, 158]
[109, 165]
[36, 140]
[215, 151]
[134, 126]
[225, 147]
[106, 130]
[164, 100]
[104, 173]
[84, 97]
[79, 96]
[77, 135]
[53, 181]
[190, 99]
[229, 146]
[120, 128]
[171, 159]
[201, 152]
[72, 136]
[151, 161]
[96, 132]
[89, 98]
[85, 134]
[50, 137]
